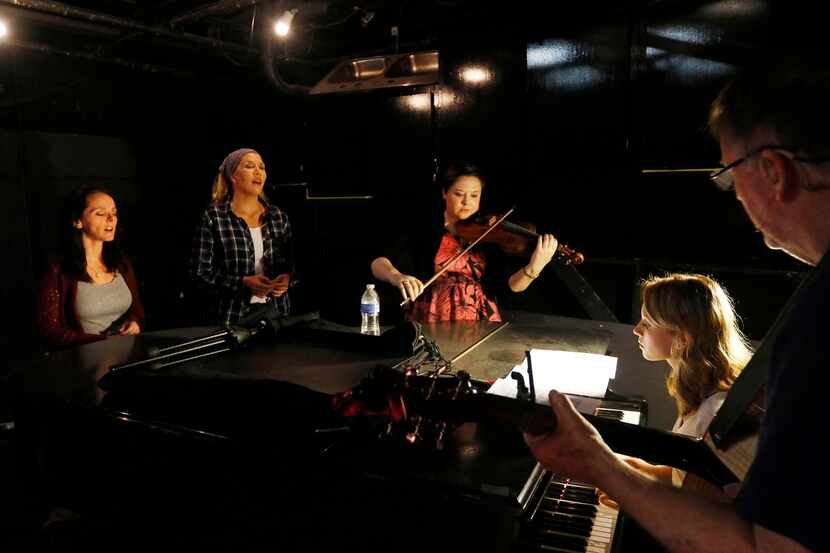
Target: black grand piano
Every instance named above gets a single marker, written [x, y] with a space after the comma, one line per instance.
[244, 450]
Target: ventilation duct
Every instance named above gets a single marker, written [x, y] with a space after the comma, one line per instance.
[390, 71]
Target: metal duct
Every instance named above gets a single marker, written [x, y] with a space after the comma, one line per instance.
[390, 71]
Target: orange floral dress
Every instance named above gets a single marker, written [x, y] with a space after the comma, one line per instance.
[457, 295]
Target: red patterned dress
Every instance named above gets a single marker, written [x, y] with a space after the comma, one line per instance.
[457, 295]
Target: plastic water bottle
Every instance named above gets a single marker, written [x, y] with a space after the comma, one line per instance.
[370, 311]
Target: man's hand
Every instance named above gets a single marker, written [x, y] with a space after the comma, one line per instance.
[575, 448]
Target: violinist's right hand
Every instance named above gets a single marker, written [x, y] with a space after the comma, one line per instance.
[409, 286]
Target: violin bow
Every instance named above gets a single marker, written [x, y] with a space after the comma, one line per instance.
[455, 258]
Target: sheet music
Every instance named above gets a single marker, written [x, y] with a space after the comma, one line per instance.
[570, 372]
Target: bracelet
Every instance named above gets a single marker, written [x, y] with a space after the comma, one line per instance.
[531, 277]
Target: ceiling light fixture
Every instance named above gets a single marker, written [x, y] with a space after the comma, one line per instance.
[283, 25]
[475, 74]
[3, 29]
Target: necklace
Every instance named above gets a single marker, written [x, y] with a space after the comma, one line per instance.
[96, 273]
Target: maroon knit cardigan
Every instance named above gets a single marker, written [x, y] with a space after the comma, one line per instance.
[57, 319]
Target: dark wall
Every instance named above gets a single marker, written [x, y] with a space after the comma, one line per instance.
[155, 139]
[580, 102]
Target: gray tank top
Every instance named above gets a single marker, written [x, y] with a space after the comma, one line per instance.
[99, 306]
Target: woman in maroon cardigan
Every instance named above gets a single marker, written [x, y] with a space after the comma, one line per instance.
[90, 292]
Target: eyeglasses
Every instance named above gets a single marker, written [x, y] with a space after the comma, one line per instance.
[724, 178]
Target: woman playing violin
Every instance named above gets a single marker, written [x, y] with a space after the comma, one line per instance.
[464, 291]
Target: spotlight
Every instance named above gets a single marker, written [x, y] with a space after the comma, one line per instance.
[283, 25]
[3, 29]
[475, 74]
[418, 102]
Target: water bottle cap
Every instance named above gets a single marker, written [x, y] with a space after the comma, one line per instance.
[370, 286]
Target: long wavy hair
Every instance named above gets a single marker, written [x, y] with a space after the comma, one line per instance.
[73, 260]
[714, 350]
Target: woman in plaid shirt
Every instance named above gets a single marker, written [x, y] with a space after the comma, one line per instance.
[242, 252]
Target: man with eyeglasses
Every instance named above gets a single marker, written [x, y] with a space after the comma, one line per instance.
[774, 132]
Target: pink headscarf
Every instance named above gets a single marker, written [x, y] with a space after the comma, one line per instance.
[231, 162]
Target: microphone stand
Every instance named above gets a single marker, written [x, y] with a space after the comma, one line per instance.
[224, 340]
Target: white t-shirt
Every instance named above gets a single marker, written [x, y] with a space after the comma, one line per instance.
[259, 253]
[696, 425]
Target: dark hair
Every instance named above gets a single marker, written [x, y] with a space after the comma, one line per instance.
[791, 99]
[74, 257]
[455, 171]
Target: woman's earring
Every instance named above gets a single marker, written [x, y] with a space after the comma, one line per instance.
[678, 346]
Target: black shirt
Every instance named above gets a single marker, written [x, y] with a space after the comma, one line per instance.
[785, 487]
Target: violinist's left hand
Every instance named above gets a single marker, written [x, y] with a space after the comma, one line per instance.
[545, 248]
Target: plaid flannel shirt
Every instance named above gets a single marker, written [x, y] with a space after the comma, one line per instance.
[223, 253]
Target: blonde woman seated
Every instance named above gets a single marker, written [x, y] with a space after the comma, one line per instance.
[689, 321]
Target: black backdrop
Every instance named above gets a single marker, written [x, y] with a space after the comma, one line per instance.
[582, 99]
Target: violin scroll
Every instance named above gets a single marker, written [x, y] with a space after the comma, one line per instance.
[568, 255]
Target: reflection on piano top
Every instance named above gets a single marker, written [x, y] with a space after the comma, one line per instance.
[635, 376]
[74, 374]
[497, 355]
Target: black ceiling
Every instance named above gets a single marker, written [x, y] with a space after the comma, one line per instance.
[198, 35]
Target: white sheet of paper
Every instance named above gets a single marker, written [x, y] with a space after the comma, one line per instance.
[569, 372]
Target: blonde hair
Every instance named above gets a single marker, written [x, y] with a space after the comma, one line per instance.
[223, 192]
[714, 350]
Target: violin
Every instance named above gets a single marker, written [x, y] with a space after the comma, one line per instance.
[511, 238]
[507, 235]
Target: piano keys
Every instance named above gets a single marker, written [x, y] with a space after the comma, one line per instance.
[566, 516]
[627, 414]
[630, 410]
